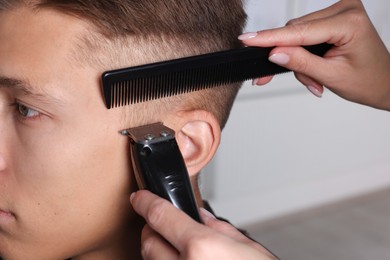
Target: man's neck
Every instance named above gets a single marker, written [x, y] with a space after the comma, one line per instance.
[127, 246]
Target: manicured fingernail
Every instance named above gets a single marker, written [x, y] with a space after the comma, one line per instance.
[279, 58]
[248, 35]
[316, 91]
[206, 214]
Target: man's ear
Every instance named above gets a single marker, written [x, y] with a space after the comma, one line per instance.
[198, 135]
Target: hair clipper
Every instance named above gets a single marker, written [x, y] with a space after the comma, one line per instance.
[159, 166]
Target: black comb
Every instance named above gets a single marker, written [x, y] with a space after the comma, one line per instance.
[162, 79]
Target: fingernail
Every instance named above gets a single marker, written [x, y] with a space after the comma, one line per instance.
[279, 58]
[316, 91]
[206, 214]
[132, 197]
[248, 35]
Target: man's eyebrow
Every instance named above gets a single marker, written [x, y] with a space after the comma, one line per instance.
[28, 89]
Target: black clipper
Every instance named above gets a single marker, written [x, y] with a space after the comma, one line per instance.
[159, 166]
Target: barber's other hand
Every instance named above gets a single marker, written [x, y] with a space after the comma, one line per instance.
[357, 68]
[171, 234]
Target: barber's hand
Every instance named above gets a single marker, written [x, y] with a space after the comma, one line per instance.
[357, 68]
[171, 234]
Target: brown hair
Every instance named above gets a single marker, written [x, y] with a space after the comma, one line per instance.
[157, 30]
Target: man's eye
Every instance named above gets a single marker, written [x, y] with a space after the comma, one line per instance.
[27, 112]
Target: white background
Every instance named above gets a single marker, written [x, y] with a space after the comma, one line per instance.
[284, 150]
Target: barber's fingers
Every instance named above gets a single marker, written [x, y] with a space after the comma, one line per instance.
[317, 69]
[155, 247]
[336, 30]
[171, 223]
[328, 12]
[262, 81]
[334, 25]
[313, 86]
[190, 239]
[221, 226]
[307, 33]
[324, 13]
[230, 231]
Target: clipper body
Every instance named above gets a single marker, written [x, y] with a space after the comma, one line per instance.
[159, 166]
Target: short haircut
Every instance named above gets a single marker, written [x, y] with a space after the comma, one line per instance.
[157, 30]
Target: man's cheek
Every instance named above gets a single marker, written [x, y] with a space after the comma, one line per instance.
[47, 167]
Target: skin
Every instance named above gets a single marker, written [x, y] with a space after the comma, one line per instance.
[64, 173]
[356, 68]
[170, 234]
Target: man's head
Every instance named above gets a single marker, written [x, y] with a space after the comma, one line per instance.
[64, 169]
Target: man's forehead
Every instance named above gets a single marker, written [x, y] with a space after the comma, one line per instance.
[41, 34]
[37, 50]
[26, 88]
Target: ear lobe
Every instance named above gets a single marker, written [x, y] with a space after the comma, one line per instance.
[198, 140]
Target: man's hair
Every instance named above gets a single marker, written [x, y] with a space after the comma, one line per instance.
[154, 30]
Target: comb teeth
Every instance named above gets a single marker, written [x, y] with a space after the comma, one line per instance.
[164, 85]
[163, 79]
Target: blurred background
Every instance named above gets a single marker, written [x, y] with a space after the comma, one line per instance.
[307, 177]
